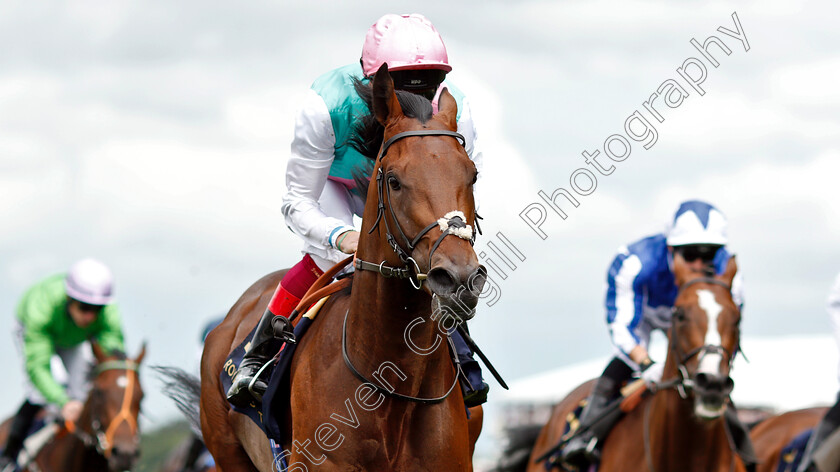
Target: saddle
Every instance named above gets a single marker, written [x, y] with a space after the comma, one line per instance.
[630, 398]
[261, 413]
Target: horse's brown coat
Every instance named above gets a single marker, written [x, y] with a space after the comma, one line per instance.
[335, 424]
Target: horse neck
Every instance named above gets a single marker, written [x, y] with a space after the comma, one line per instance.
[381, 310]
[681, 441]
[68, 452]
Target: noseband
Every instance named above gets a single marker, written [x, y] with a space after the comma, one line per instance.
[453, 223]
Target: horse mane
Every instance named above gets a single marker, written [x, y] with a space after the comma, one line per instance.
[368, 133]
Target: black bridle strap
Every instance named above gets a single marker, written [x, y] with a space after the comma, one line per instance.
[390, 393]
[420, 132]
[409, 243]
[684, 380]
[388, 271]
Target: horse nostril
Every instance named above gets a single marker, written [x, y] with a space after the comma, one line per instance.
[441, 281]
[702, 380]
[714, 383]
[728, 385]
[477, 279]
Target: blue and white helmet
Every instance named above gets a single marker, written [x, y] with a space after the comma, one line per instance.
[696, 222]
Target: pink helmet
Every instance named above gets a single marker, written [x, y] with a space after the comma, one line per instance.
[404, 42]
[90, 281]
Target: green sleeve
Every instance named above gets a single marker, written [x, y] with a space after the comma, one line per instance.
[111, 335]
[35, 313]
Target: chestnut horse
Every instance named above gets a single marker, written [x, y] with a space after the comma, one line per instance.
[680, 427]
[373, 385]
[106, 438]
[775, 433]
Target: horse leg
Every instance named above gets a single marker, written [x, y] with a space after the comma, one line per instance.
[474, 424]
[221, 439]
[219, 435]
[253, 439]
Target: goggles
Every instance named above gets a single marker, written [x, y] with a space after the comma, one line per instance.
[692, 252]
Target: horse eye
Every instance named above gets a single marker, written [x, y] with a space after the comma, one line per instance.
[394, 183]
[679, 314]
[475, 178]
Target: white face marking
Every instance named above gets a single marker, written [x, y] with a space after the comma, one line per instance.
[710, 362]
[122, 381]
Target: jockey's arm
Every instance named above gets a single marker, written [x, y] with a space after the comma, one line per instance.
[833, 306]
[738, 290]
[466, 126]
[38, 348]
[624, 305]
[312, 154]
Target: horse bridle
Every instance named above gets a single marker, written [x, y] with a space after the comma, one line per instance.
[684, 382]
[103, 440]
[449, 224]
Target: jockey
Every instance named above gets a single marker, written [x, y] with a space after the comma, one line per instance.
[828, 431]
[322, 199]
[641, 291]
[55, 319]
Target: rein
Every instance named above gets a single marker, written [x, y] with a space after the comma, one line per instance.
[453, 223]
[391, 393]
[101, 440]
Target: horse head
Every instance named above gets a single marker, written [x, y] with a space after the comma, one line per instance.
[109, 419]
[704, 337]
[422, 205]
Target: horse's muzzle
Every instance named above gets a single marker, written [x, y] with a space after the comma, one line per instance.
[122, 459]
[711, 393]
[457, 291]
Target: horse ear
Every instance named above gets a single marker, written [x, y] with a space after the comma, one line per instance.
[681, 269]
[448, 110]
[386, 107]
[98, 352]
[731, 269]
[142, 354]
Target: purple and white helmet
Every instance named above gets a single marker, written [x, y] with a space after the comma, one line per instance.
[90, 281]
[404, 42]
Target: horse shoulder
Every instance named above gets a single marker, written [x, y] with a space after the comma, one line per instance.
[624, 446]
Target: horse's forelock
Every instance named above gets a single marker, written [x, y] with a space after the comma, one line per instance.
[368, 133]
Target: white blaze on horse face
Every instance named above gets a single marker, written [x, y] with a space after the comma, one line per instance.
[122, 381]
[710, 361]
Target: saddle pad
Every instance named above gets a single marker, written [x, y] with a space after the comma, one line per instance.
[570, 426]
[262, 414]
[792, 453]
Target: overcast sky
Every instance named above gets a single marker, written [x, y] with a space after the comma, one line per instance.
[154, 135]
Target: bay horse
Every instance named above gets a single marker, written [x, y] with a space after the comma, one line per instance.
[106, 438]
[775, 433]
[681, 426]
[372, 384]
